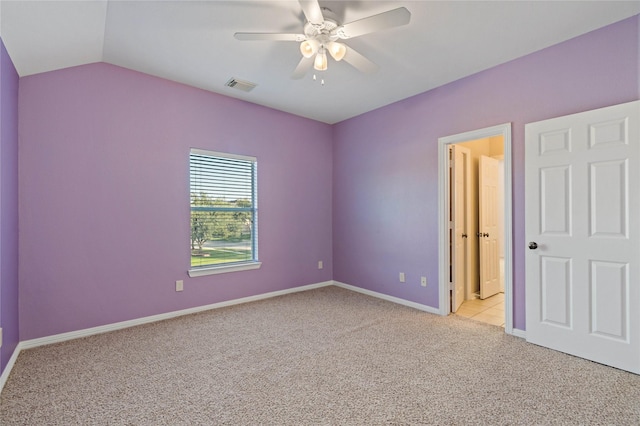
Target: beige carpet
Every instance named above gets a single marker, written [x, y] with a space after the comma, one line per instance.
[326, 356]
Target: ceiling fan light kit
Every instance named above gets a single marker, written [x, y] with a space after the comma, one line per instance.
[321, 30]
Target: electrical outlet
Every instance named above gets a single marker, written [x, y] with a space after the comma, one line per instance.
[423, 281]
[320, 264]
[401, 277]
[179, 285]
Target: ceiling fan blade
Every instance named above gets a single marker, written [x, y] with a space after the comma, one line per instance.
[381, 21]
[359, 62]
[303, 67]
[269, 36]
[312, 11]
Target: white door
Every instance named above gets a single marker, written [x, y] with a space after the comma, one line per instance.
[582, 218]
[460, 169]
[488, 181]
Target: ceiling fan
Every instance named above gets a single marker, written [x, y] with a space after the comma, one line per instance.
[321, 32]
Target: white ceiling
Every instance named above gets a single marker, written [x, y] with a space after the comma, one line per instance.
[192, 42]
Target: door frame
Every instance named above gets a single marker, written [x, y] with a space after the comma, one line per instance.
[444, 299]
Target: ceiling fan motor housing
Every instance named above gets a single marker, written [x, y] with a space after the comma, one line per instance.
[325, 32]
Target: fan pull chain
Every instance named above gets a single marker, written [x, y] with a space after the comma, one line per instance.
[315, 78]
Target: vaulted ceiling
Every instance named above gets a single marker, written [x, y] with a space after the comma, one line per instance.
[192, 42]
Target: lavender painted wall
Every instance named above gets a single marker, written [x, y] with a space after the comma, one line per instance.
[104, 191]
[104, 196]
[8, 206]
[385, 168]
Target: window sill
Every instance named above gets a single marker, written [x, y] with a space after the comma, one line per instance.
[223, 269]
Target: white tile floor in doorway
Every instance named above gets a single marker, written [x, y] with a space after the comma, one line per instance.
[489, 310]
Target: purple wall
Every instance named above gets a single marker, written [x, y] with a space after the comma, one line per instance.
[385, 168]
[104, 181]
[104, 196]
[8, 206]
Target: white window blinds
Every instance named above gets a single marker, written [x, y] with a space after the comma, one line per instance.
[223, 196]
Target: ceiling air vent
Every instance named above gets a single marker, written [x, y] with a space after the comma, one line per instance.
[245, 86]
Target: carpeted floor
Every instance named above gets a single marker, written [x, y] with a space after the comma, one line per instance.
[326, 356]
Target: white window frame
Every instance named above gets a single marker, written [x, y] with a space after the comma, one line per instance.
[238, 266]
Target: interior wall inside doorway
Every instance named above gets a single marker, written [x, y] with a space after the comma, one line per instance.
[490, 147]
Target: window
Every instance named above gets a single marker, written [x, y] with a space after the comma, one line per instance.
[223, 194]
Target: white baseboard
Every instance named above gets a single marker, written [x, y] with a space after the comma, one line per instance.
[514, 332]
[519, 333]
[7, 370]
[57, 338]
[386, 297]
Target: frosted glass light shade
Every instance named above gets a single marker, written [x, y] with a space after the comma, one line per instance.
[320, 63]
[308, 48]
[337, 50]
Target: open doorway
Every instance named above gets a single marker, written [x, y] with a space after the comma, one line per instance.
[476, 234]
[475, 258]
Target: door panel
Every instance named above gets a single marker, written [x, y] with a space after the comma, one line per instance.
[555, 203]
[488, 175]
[584, 271]
[555, 287]
[608, 195]
[460, 164]
[609, 287]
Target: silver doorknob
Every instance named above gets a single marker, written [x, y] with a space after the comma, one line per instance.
[533, 245]
[485, 235]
